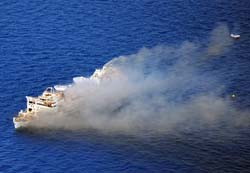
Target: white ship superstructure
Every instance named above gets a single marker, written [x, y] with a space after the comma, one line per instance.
[48, 101]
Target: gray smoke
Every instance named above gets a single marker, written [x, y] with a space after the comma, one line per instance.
[157, 89]
[219, 41]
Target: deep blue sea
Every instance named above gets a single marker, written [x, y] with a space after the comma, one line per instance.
[44, 43]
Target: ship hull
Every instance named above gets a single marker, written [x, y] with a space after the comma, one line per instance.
[20, 124]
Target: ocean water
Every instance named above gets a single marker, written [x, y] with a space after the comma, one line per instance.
[43, 43]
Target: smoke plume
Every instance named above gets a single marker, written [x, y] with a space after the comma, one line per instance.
[157, 88]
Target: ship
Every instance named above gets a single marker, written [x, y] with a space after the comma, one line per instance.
[51, 98]
[48, 101]
[235, 36]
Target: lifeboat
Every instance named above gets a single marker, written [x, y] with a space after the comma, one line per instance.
[235, 36]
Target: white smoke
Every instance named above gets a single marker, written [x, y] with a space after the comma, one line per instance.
[155, 89]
